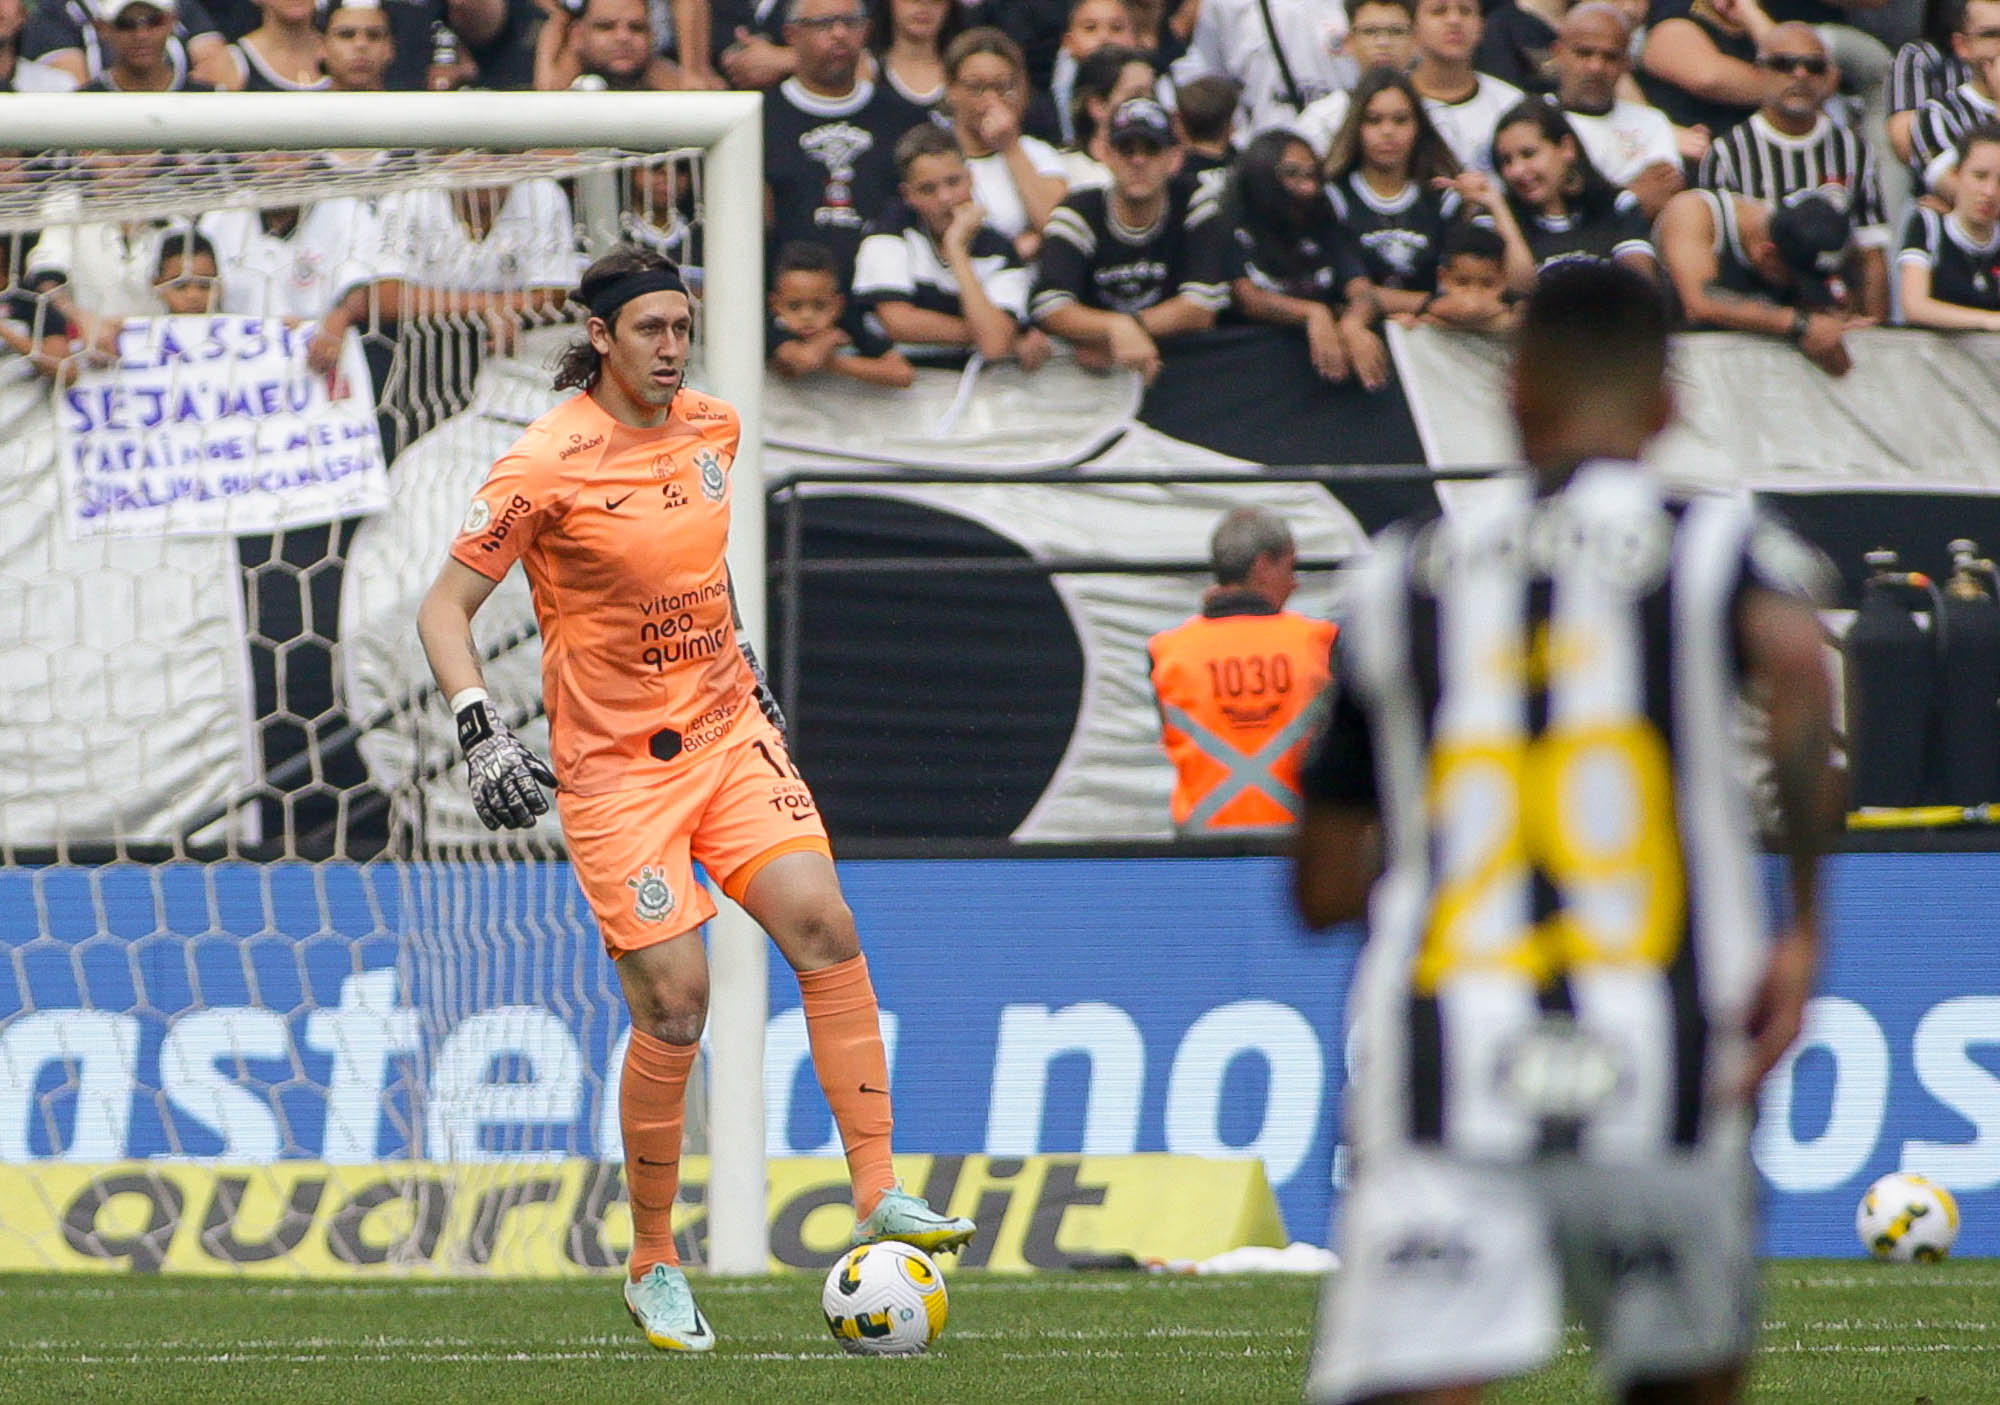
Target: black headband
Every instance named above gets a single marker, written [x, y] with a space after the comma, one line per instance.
[605, 302]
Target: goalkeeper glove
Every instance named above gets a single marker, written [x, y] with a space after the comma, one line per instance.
[506, 778]
[767, 700]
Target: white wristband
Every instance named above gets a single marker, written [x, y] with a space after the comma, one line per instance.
[464, 698]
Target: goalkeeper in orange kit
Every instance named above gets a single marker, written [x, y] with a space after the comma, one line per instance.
[669, 747]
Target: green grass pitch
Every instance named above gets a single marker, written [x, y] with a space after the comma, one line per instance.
[1836, 1332]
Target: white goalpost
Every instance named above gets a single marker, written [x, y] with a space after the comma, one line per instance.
[130, 734]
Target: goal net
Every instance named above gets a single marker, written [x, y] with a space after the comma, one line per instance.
[272, 999]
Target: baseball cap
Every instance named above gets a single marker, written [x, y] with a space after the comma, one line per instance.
[1811, 233]
[1140, 119]
[110, 10]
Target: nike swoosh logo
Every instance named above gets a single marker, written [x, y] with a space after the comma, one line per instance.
[645, 1162]
[612, 504]
[866, 1089]
[801, 815]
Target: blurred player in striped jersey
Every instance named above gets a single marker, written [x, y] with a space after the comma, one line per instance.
[669, 747]
[1570, 992]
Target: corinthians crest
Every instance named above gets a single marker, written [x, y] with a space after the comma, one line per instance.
[714, 483]
[652, 899]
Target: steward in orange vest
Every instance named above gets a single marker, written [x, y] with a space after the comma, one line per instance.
[1237, 683]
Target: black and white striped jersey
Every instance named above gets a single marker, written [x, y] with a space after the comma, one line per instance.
[1539, 695]
[1923, 71]
[1941, 122]
[1755, 159]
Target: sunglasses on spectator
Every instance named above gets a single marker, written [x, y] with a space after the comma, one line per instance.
[196, 281]
[1810, 64]
[128, 23]
[821, 24]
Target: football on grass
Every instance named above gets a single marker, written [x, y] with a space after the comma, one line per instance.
[884, 1300]
[1907, 1219]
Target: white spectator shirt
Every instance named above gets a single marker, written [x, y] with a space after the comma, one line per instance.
[531, 244]
[1322, 120]
[1084, 171]
[1467, 127]
[108, 265]
[1626, 141]
[335, 245]
[993, 184]
[32, 77]
[1230, 41]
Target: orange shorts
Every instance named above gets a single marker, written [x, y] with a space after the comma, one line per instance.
[634, 851]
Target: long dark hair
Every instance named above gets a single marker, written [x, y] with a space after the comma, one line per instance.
[580, 364]
[882, 25]
[1097, 73]
[1276, 224]
[1588, 192]
[1429, 157]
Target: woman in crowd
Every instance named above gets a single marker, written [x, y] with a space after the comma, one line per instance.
[1104, 78]
[282, 54]
[1017, 179]
[1950, 263]
[1289, 260]
[908, 38]
[1552, 203]
[1388, 177]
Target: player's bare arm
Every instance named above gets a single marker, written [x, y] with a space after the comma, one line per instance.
[444, 624]
[1338, 856]
[1782, 647]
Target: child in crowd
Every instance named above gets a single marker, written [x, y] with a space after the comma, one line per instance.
[1205, 109]
[185, 276]
[1093, 24]
[1950, 263]
[1471, 284]
[933, 275]
[809, 331]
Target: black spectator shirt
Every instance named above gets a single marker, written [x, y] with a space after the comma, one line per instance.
[1555, 239]
[1683, 108]
[1962, 271]
[56, 25]
[1398, 240]
[829, 163]
[1316, 267]
[1087, 257]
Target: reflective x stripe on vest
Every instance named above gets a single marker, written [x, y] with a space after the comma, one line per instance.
[1246, 772]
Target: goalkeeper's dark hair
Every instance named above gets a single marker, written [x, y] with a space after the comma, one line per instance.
[581, 364]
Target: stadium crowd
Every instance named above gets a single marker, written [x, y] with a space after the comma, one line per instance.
[1004, 177]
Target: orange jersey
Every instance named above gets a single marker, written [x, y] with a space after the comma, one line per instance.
[622, 532]
[1235, 694]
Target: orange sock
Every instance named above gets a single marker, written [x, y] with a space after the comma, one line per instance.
[652, 1107]
[843, 1027]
